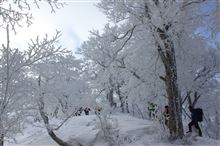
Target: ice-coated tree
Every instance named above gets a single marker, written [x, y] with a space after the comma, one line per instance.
[98, 58]
[154, 42]
[14, 81]
[14, 63]
[17, 13]
[59, 91]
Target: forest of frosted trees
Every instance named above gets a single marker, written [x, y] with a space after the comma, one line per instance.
[161, 51]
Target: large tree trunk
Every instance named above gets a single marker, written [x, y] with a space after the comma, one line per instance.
[174, 100]
[166, 51]
[168, 58]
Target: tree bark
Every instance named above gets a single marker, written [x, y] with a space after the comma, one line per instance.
[127, 106]
[174, 99]
[2, 140]
[121, 98]
[110, 97]
[167, 54]
[46, 122]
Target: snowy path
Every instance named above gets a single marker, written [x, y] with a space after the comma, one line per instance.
[133, 131]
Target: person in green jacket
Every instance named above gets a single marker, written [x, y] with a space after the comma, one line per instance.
[152, 110]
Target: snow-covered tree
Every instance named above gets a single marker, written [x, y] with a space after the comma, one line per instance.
[18, 12]
[58, 91]
[14, 81]
[15, 63]
[152, 44]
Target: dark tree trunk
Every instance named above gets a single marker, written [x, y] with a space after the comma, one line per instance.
[1, 132]
[57, 139]
[122, 105]
[168, 58]
[2, 140]
[121, 98]
[166, 51]
[110, 97]
[127, 106]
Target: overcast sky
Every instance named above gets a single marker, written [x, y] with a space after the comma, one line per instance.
[75, 20]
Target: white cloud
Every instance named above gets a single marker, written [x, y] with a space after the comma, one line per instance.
[74, 20]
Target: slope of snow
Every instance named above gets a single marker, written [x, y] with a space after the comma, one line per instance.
[85, 129]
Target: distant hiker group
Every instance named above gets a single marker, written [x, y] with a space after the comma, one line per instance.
[81, 109]
[87, 110]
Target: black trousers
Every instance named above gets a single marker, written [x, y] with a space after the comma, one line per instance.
[196, 126]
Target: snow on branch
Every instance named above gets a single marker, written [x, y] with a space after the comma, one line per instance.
[13, 17]
[54, 4]
[17, 13]
[189, 3]
[129, 33]
[40, 49]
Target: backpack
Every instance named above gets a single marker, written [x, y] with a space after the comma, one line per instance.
[199, 113]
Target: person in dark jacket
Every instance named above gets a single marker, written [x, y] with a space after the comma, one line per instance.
[194, 121]
[79, 111]
[166, 115]
[86, 110]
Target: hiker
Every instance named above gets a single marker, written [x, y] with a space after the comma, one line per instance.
[166, 115]
[152, 108]
[114, 104]
[194, 120]
[79, 111]
[98, 110]
[154, 113]
[86, 110]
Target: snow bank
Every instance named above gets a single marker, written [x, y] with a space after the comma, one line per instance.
[133, 132]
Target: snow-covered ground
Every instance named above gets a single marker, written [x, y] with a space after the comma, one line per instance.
[85, 129]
